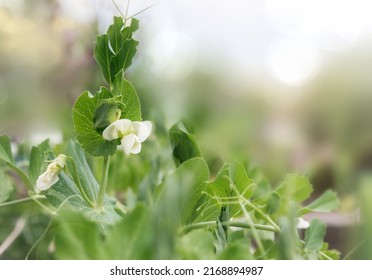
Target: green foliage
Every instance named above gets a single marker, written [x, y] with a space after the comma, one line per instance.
[67, 191]
[83, 117]
[144, 208]
[132, 238]
[327, 202]
[7, 157]
[184, 144]
[238, 247]
[37, 161]
[196, 245]
[6, 187]
[83, 173]
[128, 101]
[115, 50]
[295, 187]
[5, 150]
[231, 182]
[184, 193]
[76, 238]
[314, 236]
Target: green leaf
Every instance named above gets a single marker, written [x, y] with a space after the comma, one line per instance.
[77, 239]
[314, 236]
[128, 31]
[5, 150]
[263, 185]
[238, 247]
[327, 202]
[7, 157]
[183, 143]
[83, 117]
[329, 254]
[103, 54]
[84, 173]
[220, 187]
[132, 238]
[38, 161]
[181, 196]
[222, 191]
[123, 59]
[196, 245]
[115, 50]
[5, 187]
[66, 190]
[244, 186]
[126, 95]
[295, 187]
[114, 34]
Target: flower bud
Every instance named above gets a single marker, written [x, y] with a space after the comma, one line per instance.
[107, 111]
[50, 176]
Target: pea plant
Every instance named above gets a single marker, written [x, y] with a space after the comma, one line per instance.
[180, 210]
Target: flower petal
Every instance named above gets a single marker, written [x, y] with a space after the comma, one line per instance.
[116, 129]
[302, 223]
[46, 180]
[142, 129]
[130, 144]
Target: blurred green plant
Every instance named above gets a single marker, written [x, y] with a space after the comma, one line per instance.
[184, 213]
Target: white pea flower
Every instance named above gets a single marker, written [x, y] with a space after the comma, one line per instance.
[131, 134]
[302, 224]
[50, 176]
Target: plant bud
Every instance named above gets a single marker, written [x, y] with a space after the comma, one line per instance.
[106, 112]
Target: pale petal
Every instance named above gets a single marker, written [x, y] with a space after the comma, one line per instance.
[130, 144]
[302, 224]
[142, 129]
[116, 129]
[136, 146]
[123, 125]
[46, 180]
[111, 132]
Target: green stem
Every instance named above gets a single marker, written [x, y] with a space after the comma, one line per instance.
[22, 200]
[102, 189]
[121, 208]
[325, 256]
[352, 251]
[43, 206]
[39, 239]
[80, 187]
[188, 228]
[258, 210]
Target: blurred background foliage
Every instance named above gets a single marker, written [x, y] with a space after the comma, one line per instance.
[233, 72]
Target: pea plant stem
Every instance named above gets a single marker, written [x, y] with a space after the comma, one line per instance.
[227, 223]
[22, 200]
[103, 186]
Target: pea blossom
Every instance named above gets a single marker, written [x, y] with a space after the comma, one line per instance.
[302, 224]
[50, 176]
[131, 134]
